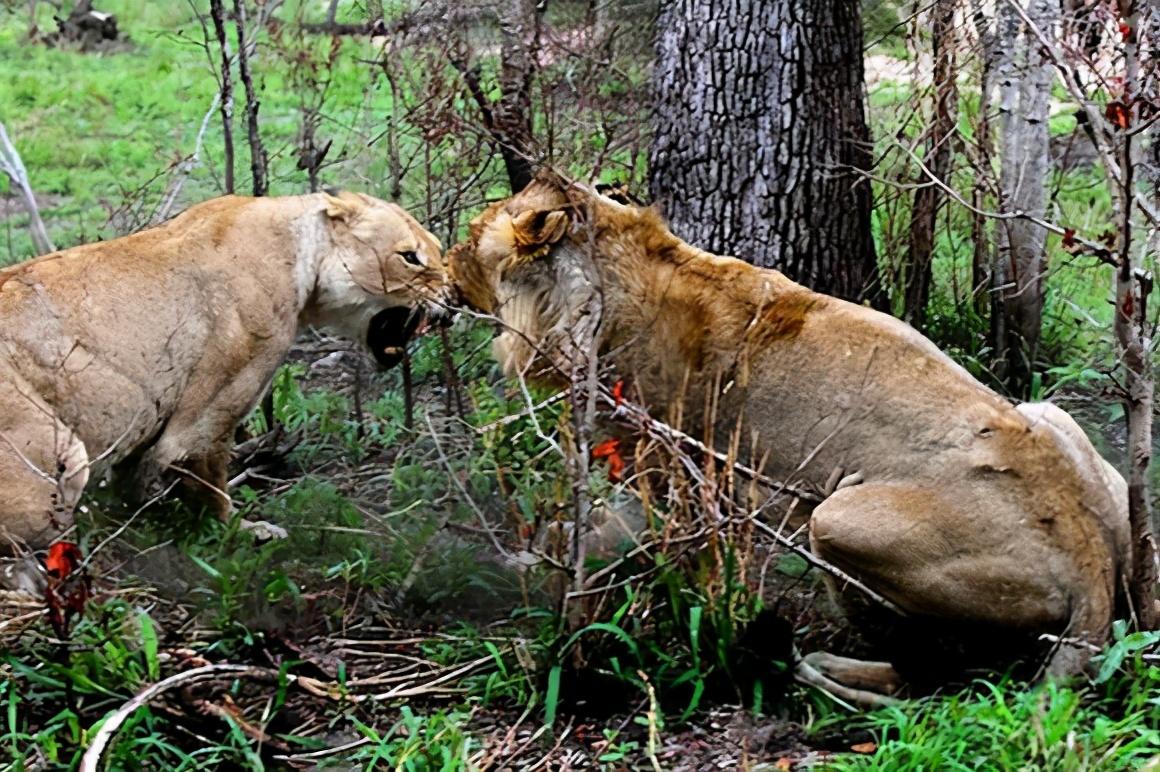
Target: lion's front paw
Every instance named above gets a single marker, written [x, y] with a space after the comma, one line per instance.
[263, 531]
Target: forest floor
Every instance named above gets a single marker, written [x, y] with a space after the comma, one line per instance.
[388, 629]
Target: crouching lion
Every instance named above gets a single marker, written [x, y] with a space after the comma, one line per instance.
[985, 523]
[143, 353]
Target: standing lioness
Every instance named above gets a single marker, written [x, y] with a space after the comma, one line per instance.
[985, 523]
[145, 352]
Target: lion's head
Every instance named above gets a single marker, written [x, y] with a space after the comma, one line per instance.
[380, 275]
[532, 261]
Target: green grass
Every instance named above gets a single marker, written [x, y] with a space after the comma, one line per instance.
[100, 133]
[1007, 727]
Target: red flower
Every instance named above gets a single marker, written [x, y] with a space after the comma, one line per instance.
[63, 558]
[608, 449]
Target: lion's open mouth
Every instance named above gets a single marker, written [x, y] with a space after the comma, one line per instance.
[389, 332]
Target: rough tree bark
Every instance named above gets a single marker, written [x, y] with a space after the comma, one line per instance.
[1024, 74]
[218, 14]
[759, 130]
[938, 156]
[519, 25]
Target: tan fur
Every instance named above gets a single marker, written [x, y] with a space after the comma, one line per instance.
[143, 353]
[969, 510]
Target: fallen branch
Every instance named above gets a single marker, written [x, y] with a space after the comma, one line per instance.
[232, 715]
[91, 760]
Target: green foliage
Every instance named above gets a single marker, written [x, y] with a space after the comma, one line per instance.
[417, 744]
[1008, 726]
[50, 693]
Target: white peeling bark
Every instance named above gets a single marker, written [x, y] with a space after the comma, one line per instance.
[13, 166]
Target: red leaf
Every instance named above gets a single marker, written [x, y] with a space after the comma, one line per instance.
[618, 393]
[1068, 237]
[63, 558]
[1118, 113]
[608, 449]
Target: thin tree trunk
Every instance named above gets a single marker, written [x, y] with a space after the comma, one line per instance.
[258, 160]
[939, 153]
[1133, 288]
[509, 119]
[760, 131]
[1025, 76]
[12, 165]
[217, 13]
[981, 260]
[519, 26]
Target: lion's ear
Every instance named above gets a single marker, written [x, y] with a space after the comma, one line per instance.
[536, 231]
[344, 205]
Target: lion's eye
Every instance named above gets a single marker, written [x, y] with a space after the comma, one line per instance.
[412, 257]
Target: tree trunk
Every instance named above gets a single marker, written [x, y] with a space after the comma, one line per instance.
[218, 14]
[1025, 74]
[520, 29]
[759, 133]
[981, 256]
[938, 156]
[258, 161]
[509, 119]
[1133, 339]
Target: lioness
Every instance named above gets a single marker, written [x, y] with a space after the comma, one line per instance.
[983, 522]
[144, 352]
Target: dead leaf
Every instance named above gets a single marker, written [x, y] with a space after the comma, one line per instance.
[866, 747]
[1118, 113]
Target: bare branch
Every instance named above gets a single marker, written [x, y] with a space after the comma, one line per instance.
[13, 166]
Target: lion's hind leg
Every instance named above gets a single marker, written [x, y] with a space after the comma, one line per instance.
[962, 570]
